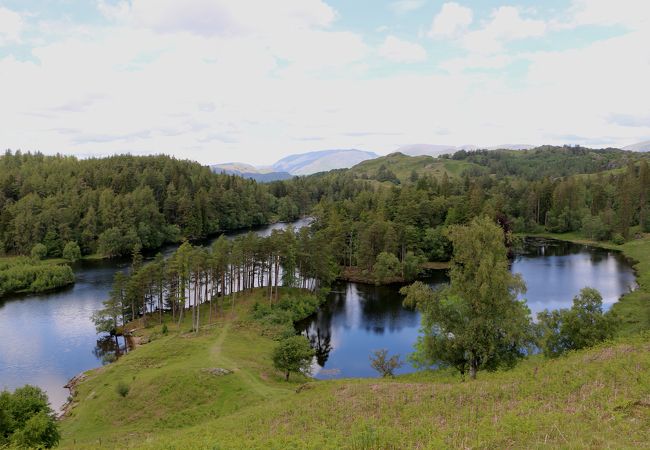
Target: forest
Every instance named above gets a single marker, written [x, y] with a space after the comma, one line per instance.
[108, 205]
[194, 275]
[234, 302]
[383, 219]
[605, 196]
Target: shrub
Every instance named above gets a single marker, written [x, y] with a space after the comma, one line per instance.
[618, 239]
[39, 251]
[584, 325]
[293, 354]
[122, 389]
[386, 267]
[26, 419]
[384, 365]
[71, 251]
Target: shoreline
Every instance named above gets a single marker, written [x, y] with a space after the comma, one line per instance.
[354, 274]
[632, 307]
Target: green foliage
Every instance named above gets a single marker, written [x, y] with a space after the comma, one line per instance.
[26, 419]
[293, 354]
[583, 325]
[23, 274]
[71, 251]
[412, 266]
[383, 364]
[618, 239]
[39, 251]
[290, 309]
[386, 267]
[107, 205]
[477, 322]
[594, 228]
[436, 244]
[385, 174]
[122, 389]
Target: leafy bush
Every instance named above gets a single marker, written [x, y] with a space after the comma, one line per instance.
[383, 364]
[71, 251]
[293, 354]
[386, 267]
[39, 251]
[122, 389]
[26, 419]
[618, 239]
[583, 325]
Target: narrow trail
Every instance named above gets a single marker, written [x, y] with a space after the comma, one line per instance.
[245, 374]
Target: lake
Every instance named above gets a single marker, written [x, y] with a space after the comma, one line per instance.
[358, 319]
[46, 339]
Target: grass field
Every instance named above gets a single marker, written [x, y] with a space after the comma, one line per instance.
[592, 399]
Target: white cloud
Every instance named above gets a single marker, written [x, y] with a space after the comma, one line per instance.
[11, 25]
[505, 25]
[634, 14]
[262, 90]
[398, 50]
[221, 17]
[405, 6]
[452, 20]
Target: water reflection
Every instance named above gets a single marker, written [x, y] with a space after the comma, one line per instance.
[46, 339]
[358, 319]
[109, 348]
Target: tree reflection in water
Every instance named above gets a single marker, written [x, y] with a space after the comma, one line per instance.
[109, 348]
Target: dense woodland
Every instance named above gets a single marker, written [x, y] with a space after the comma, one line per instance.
[390, 230]
[605, 196]
[384, 217]
[109, 205]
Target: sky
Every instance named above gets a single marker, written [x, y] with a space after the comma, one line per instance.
[255, 80]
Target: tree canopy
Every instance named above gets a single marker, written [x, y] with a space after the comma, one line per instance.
[477, 321]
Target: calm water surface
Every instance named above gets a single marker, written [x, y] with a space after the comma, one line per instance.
[358, 319]
[46, 339]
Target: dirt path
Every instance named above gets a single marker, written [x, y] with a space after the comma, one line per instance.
[250, 378]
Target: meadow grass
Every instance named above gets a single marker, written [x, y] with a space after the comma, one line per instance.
[599, 398]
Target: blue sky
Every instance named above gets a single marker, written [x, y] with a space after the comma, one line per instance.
[217, 80]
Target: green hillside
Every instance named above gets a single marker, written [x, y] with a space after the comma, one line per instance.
[403, 166]
[598, 398]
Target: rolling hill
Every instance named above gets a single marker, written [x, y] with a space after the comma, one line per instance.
[403, 166]
[437, 150]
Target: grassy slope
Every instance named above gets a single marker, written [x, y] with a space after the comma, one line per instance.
[403, 165]
[634, 307]
[597, 398]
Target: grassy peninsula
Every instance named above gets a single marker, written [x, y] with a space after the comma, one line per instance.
[177, 399]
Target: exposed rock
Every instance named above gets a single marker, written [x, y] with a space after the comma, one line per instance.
[218, 371]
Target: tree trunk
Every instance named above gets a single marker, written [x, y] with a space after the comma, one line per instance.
[473, 368]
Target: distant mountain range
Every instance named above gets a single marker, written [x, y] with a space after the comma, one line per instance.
[299, 164]
[260, 174]
[326, 160]
[639, 147]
